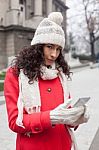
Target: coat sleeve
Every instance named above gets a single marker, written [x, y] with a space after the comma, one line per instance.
[36, 122]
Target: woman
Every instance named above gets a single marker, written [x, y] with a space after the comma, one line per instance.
[37, 98]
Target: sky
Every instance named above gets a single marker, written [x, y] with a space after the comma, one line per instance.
[74, 11]
[74, 19]
[71, 4]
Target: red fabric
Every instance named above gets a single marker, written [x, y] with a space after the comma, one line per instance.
[44, 136]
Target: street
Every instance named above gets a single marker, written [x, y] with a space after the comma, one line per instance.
[84, 83]
[95, 142]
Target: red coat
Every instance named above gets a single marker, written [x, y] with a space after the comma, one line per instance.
[44, 136]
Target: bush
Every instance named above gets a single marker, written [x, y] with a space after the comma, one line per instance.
[1, 86]
[74, 55]
[2, 75]
[85, 57]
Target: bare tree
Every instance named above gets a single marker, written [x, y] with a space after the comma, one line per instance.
[91, 12]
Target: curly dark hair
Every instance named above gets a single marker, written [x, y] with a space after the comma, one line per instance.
[30, 59]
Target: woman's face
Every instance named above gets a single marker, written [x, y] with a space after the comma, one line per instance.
[51, 53]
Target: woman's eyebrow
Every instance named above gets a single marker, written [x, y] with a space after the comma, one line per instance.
[50, 44]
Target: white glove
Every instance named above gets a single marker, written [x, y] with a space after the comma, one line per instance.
[84, 117]
[64, 115]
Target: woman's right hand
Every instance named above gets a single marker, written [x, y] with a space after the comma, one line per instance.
[64, 115]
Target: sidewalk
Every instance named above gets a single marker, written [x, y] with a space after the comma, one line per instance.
[95, 142]
[7, 137]
[86, 83]
[1, 93]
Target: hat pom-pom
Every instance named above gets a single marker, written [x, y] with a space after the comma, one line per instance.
[56, 17]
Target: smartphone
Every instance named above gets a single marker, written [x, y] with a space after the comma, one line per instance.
[81, 101]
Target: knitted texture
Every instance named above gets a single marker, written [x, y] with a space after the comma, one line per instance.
[50, 31]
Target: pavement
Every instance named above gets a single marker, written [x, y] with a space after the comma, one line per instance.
[84, 83]
[95, 143]
[7, 137]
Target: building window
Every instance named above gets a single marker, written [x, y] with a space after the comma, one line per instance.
[21, 2]
[21, 8]
[44, 7]
[29, 9]
[9, 4]
[32, 7]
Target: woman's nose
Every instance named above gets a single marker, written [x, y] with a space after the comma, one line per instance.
[54, 53]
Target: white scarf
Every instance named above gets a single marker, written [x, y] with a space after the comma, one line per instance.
[29, 94]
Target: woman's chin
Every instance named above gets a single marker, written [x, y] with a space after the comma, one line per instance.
[49, 62]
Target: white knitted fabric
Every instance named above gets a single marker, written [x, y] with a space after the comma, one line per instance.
[50, 31]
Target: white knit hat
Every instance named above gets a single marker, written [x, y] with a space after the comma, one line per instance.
[50, 31]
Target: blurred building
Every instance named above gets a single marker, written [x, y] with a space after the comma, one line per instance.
[18, 21]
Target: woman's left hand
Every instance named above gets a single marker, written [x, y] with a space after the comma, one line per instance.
[84, 118]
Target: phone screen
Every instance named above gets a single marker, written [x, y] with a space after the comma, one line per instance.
[81, 101]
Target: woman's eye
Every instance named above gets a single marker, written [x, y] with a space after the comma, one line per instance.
[59, 49]
[49, 46]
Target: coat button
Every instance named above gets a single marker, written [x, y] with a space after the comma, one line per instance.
[49, 89]
[37, 129]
